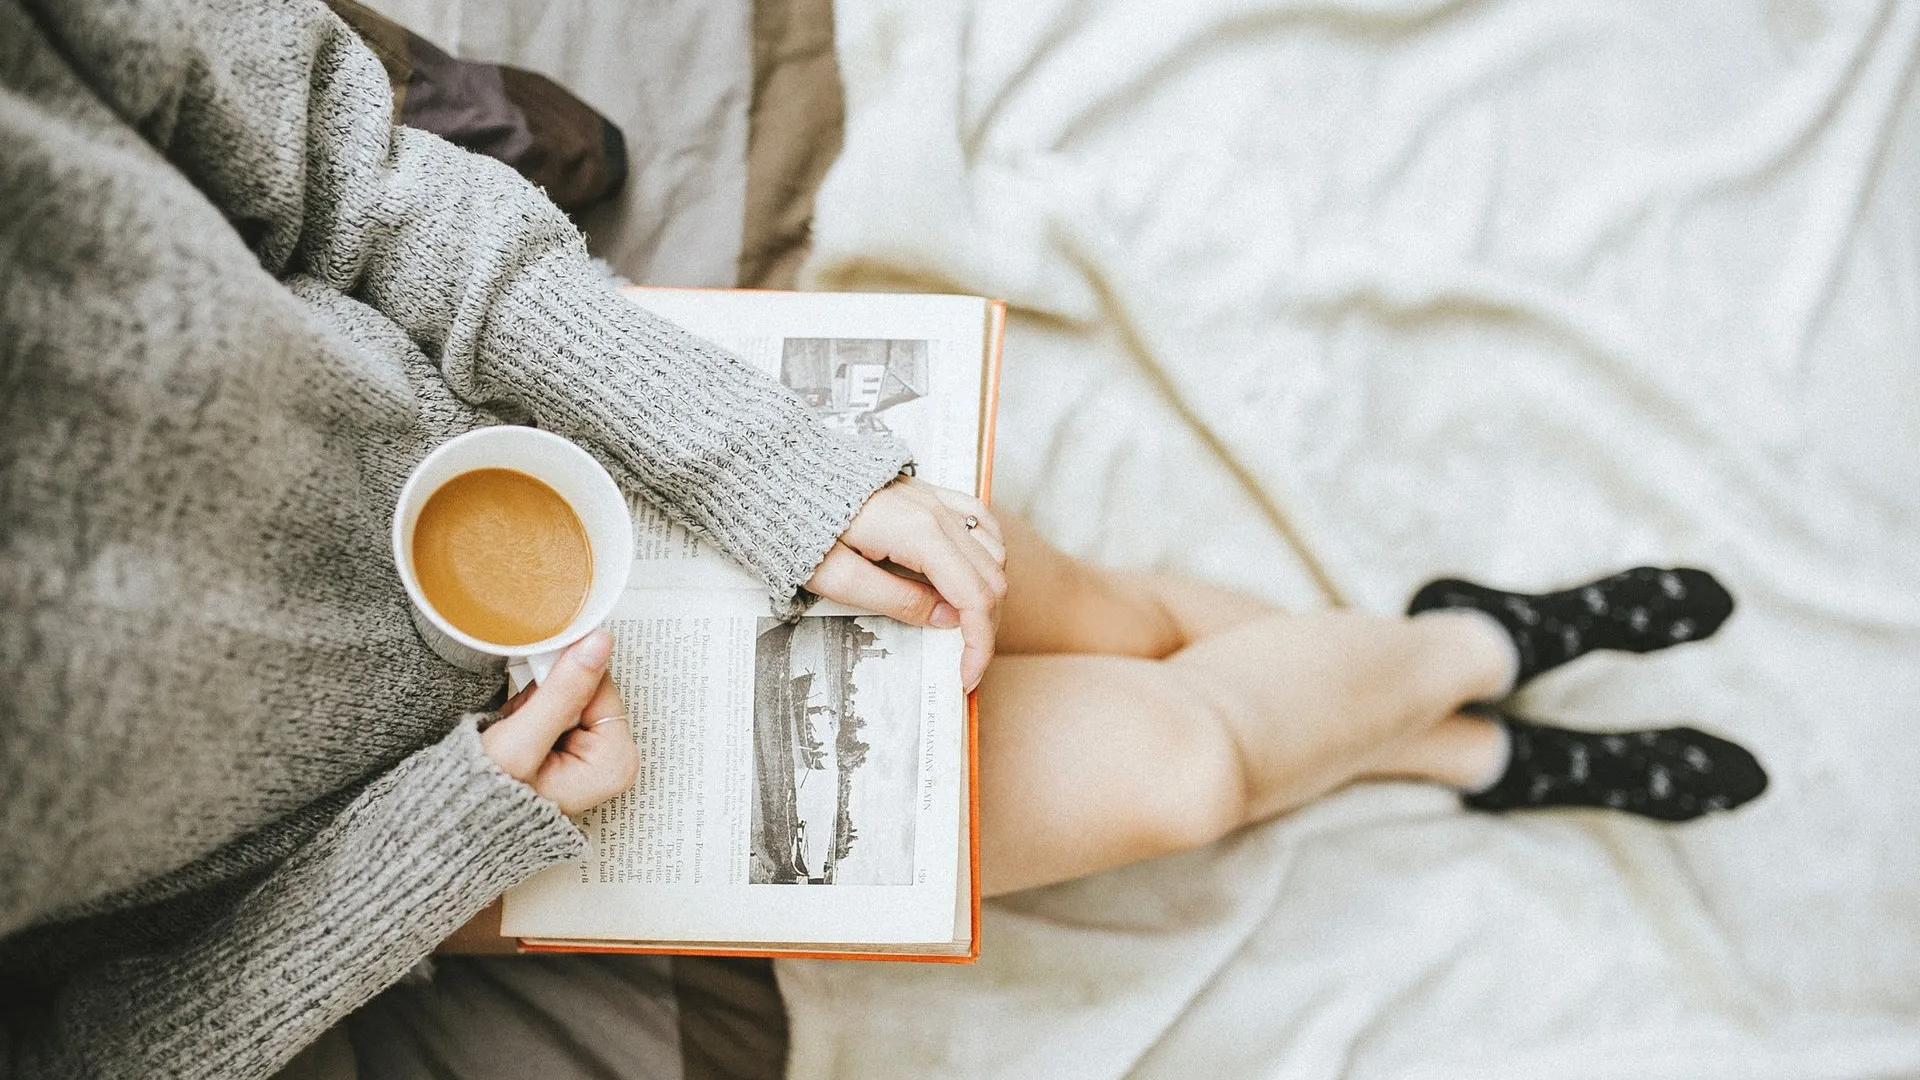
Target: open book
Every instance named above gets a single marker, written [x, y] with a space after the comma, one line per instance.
[805, 788]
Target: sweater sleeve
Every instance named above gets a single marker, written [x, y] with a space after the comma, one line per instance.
[405, 864]
[283, 118]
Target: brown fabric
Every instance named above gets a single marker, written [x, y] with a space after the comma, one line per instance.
[577, 155]
[387, 39]
[733, 1025]
[794, 130]
[519, 117]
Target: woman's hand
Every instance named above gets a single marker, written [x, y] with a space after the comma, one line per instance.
[567, 737]
[924, 529]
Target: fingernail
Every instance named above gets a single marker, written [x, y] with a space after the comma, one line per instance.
[594, 650]
[945, 616]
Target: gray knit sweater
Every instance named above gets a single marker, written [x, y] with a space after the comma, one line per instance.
[237, 794]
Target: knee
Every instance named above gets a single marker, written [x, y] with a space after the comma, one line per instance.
[1196, 790]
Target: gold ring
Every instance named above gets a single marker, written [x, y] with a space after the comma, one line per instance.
[971, 523]
[603, 720]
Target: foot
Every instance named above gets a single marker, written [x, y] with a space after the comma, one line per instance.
[1670, 774]
[1637, 610]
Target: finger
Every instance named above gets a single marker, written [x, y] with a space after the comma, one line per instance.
[590, 766]
[513, 703]
[946, 563]
[964, 506]
[606, 703]
[959, 508]
[605, 718]
[595, 761]
[978, 602]
[519, 743]
[995, 549]
[977, 631]
[963, 543]
[847, 577]
[973, 548]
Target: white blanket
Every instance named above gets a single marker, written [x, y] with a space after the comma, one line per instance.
[1359, 292]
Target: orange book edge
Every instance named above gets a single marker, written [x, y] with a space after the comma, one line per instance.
[990, 416]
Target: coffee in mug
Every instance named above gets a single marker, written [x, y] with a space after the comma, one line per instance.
[502, 556]
[512, 543]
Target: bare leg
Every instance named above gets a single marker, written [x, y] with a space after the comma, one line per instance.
[1160, 714]
[1062, 605]
[1461, 751]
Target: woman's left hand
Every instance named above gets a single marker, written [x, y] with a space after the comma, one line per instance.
[924, 529]
[567, 737]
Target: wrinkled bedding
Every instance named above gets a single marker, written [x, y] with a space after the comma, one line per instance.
[1324, 299]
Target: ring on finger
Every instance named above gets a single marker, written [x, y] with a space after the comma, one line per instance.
[970, 523]
[591, 724]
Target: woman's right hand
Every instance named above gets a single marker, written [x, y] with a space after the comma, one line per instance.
[547, 737]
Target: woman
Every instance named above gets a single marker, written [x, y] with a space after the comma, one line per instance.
[238, 795]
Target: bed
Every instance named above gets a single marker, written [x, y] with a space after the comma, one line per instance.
[1322, 300]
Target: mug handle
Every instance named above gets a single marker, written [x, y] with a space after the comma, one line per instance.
[524, 671]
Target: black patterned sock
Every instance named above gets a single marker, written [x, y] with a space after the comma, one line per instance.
[1670, 774]
[1637, 610]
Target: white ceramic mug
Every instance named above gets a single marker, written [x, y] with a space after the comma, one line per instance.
[568, 470]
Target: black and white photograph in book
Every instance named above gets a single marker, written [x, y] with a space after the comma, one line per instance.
[836, 719]
[855, 382]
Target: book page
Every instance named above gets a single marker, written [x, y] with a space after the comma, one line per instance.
[799, 781]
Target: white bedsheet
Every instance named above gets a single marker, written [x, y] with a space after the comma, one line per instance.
[1526, 290]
